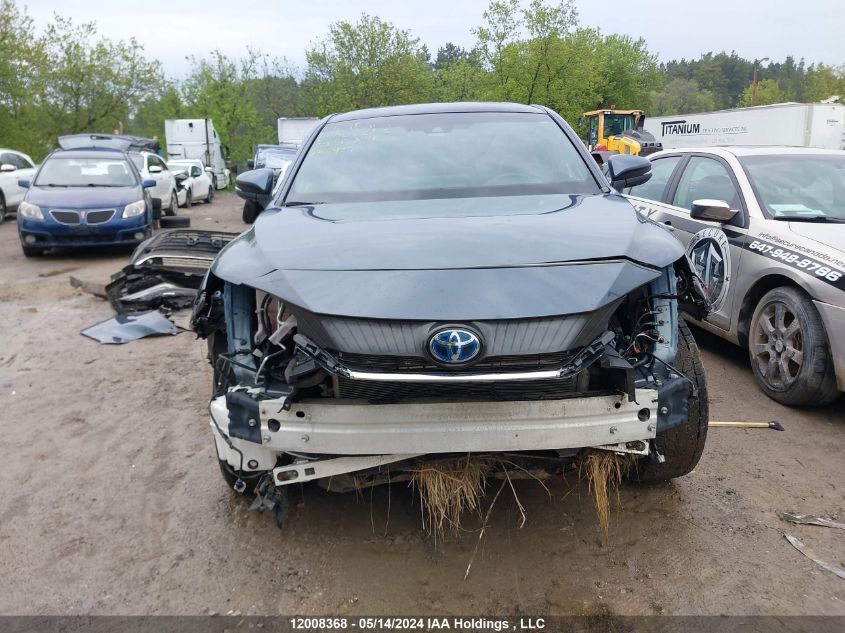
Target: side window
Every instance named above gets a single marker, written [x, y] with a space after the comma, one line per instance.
[661, 172]
[155, 160]
[18, 161]
[705, 178]
[6, 159]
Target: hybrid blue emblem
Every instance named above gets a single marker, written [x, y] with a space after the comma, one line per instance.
[454, 346]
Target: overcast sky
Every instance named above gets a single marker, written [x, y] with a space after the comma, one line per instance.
[170, 30]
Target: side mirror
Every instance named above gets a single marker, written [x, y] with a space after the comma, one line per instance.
[209, 170]
[155, 169]
[255, 185]
[148, 183]
[6, 167]
[625, 170]
[712, 210]
[250, 164]
[23, 183]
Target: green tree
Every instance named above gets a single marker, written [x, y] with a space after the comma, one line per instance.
[681, 96]
[218, 89]
[21, 57]
[92, 83]
[367, 64]
[768, 92]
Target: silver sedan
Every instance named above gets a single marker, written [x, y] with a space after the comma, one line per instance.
[765, 228]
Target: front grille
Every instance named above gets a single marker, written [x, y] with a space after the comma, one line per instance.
[197, 241]
[98, 217]
[530, 362]
[388, 392]
[65, 217]
[80, 239]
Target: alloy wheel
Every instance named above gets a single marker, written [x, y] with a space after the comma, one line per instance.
[778, 345]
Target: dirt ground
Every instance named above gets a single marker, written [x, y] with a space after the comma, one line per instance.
[112, 502]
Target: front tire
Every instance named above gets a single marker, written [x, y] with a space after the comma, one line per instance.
[3, 208]
[174, 204]
[189, 199]
[210, 195]
[681, 445]
[788, 349]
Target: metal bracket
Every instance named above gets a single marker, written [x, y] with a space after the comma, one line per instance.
[637, 447]
[308, 470]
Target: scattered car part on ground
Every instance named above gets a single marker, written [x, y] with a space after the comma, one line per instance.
[166, 270]
[98, 290]
[129, 327]
[775, 426]
[809, 519]
[765, 228]
[411, 293]
[797, 544]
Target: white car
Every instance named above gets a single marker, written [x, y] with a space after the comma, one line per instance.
[198, 185]
[765, 229]
[13, 166]
[152, 166]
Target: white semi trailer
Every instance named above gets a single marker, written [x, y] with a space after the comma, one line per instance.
[819, 125]
[294, 130]
[197, 139]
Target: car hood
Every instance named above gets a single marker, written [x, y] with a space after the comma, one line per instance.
[832, 235]
[499, 258]
[83, 197]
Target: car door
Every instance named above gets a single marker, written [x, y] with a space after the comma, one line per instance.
[200, 180]
[158, 172]
[23, 169]
[715, 248]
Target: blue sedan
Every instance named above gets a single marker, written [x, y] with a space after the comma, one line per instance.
[85, 198]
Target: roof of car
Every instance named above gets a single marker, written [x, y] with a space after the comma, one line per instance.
[435, 108]
[755, 150]
[88, 153]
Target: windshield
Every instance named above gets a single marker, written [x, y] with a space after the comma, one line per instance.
[428, 156]
[274, 158]
[85, 172]
[615, 124]
[798, 186]
[174, 167]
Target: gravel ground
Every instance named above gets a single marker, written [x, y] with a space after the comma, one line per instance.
[112, 502]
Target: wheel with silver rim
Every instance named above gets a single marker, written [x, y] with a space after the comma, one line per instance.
[174, 204]
[788, 349]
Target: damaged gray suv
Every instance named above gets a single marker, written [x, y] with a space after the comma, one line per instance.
[449, 279]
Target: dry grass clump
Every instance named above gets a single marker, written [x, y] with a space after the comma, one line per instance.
[447, 489]
[604, 471]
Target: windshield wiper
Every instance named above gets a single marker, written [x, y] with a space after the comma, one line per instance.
[807, 218]
[301, 204]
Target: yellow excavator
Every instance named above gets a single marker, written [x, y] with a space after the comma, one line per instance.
[619, 132]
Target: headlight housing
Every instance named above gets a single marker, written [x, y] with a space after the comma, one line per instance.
[30, 211]
[135, 209]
